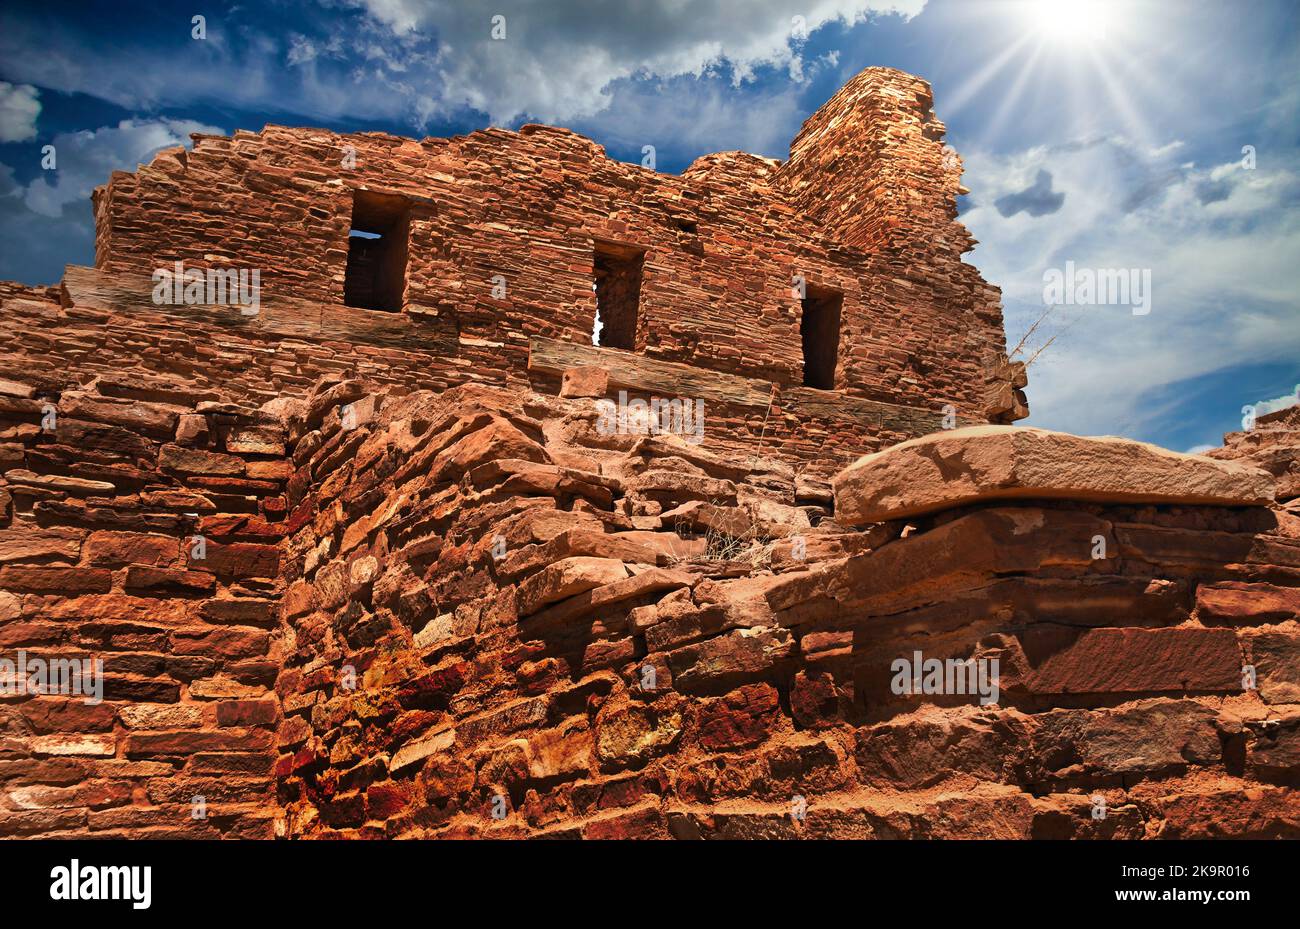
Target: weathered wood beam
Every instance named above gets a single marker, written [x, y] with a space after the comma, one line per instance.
[876, 414]
[639, 372]
[278, 316]
[630, 371]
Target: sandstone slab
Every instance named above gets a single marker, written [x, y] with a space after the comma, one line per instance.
[963, 466]
[1048, 659]
[567, 578]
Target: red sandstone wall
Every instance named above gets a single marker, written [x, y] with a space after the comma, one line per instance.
[424, 686]
[869, 168]
[506, 694]
[106, 323]
[100, 509]
[723, 241]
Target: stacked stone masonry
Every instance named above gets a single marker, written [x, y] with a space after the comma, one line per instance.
[505, 229]
[140, 527]
[556, 633]
[365, 573]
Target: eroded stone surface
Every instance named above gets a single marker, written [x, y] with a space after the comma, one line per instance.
[979, 463]
[1273, 444]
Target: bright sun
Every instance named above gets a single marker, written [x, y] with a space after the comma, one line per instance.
[1079, 53]
[1066, 22]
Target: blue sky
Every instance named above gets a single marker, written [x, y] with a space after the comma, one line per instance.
[1109, 135]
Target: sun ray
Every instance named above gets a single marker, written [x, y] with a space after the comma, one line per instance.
[1083, 43]
[1011, 98]
[1135, 127]
[977, 82]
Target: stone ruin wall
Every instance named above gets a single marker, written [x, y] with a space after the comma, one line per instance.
[351, 471]
[98, 519]
[722, 243]
[433, 615]
[546, 640]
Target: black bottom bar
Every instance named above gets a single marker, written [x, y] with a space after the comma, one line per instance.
[640, 881]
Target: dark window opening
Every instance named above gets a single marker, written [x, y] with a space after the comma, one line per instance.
[819, 328]
[377, 244]
[617, 270]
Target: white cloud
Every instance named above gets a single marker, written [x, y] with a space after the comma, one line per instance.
[1264, 407]
[301, 50]
[421, 62]
[558, 60]
[684, 117]
[55, 55]
[1221, 243]
[85, 159]
[19, 106]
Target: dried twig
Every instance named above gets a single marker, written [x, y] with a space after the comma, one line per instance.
[1042, 348]
[762, 435]
[1025, 338]
[751, 545]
